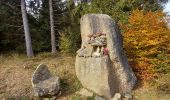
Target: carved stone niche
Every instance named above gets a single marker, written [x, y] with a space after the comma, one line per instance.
[94, 47]
[101, 65]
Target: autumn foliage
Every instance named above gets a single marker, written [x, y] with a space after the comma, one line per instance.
[145, 37]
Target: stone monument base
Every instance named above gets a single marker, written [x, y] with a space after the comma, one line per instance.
[97, 75]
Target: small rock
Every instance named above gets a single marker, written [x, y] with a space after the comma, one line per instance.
[99, 98]
[44, 84]
[85, 92]
[114, 98]
[117, 96]
[128, 96]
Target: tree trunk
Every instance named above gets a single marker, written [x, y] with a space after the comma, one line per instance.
[26, 30]
[53, 41]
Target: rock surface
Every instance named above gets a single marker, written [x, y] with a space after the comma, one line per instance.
[85, 92]
[95, 74]
[108, 74]
[44, 84]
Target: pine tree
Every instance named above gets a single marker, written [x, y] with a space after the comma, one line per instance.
[53, 40]
[26, 30]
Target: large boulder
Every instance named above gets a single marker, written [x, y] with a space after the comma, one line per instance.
[44, 84]
[103, 68]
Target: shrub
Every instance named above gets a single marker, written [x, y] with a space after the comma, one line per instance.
[145, 36]
[70, 43]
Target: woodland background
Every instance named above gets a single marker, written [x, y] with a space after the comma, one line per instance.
[143, 26]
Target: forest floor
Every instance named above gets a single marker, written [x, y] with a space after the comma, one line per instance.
[16, 71]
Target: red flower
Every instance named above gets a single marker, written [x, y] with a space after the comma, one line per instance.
[105, 51]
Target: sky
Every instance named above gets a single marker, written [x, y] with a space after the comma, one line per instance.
[167, 8]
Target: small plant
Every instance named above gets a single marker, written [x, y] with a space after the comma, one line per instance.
[76, 97]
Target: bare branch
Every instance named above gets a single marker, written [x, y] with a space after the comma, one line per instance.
[9, 5]
[13, 25]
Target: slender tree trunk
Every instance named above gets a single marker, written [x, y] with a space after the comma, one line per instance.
[53, 40]
[26, 30]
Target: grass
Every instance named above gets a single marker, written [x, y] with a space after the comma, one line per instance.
[158, 89]
[16, 71]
